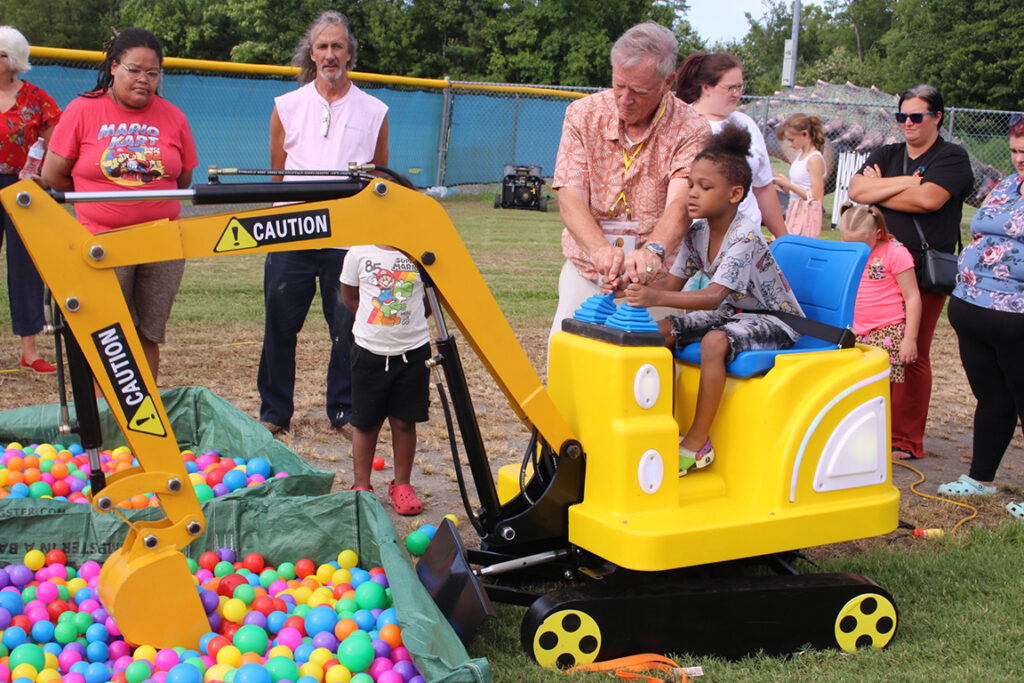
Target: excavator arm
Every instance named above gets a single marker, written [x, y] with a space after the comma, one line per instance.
[146, 582]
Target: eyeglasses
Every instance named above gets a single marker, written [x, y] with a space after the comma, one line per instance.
[136, 71]
[732, 89]
[916, 117]
[325, 121]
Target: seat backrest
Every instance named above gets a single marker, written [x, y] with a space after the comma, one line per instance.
[824, 275]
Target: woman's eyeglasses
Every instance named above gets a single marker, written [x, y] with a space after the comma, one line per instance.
[916, 117]
[732, 89]
[136, 72]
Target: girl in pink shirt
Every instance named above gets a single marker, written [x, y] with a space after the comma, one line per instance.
[888, 311]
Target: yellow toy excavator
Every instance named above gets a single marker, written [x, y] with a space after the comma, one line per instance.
[653, 561]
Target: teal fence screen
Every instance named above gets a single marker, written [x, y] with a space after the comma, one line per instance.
[230, 119]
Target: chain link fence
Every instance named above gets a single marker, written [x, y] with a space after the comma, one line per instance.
[457, 133]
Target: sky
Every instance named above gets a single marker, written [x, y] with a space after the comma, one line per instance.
[721, 20]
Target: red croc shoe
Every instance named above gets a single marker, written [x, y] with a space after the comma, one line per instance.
[404, 499]
[39, 366]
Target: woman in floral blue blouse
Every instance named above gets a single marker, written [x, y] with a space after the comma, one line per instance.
[987, 313]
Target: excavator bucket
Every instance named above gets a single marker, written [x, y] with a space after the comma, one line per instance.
[153, 599]
[445, 573]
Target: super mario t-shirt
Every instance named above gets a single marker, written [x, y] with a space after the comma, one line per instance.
[391, 318]
[115, 148]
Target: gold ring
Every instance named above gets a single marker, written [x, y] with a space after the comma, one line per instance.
[650, 270]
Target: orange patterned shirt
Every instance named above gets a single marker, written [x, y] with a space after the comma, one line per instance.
[590, 157]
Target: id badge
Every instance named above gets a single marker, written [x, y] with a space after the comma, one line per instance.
[621, 233]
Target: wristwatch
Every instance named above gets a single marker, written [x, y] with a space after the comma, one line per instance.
[656, 249]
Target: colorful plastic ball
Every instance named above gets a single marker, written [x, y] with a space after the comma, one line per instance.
[27, 653]
[362, 678]
[258, 466]
[405, 669]
[166, 659]
[416, 542]
[370, 595]
[355, 654]
[35, 559]
[253, 673]
[13, 636]
[321, 618]
[235, 479]
[251, 638]
[429, 530]
[379, 666]
[282, 669]
[184, 673]
[377, 463]
[204, 492]
[337, 674]
[138, 671]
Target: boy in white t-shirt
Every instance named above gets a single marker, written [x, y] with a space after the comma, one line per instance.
[390, 378]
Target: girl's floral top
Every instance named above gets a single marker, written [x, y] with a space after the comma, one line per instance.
[992, 265]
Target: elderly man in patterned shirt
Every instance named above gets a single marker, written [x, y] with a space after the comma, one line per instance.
[622, 171]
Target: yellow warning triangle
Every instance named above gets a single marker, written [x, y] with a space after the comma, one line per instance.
[235, 237]
[146, 419]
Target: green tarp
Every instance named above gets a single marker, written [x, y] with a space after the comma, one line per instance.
[201, 421]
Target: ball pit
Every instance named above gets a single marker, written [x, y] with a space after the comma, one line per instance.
[332, 623]
[53, 471]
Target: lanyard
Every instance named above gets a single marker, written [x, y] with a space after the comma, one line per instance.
[627, 161]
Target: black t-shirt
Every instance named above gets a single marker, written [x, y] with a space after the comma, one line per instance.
[945, 164]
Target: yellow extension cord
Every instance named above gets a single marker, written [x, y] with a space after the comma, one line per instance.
[913, 489]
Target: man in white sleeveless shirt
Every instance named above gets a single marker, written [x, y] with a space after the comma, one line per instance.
[325, 124]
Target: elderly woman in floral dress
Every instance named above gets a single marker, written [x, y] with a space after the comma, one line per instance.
[987, 313]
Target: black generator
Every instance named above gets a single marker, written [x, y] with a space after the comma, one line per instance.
[522, 188]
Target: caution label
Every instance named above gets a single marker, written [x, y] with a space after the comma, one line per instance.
[248, 233]
[123, 372]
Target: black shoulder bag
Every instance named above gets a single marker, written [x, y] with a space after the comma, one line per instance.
[938, 269]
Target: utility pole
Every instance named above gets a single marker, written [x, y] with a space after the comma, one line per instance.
[789, 55]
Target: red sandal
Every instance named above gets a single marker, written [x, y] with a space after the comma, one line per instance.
[361, 488]
[404, 499]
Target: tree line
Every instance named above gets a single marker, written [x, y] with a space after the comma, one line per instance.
[967, 48]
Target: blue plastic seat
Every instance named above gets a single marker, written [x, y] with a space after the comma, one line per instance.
[824, 276]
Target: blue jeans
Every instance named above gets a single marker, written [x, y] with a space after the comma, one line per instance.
[24, 285]
[289, 285]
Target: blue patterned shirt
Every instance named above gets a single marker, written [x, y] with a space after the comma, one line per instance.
[992, 265]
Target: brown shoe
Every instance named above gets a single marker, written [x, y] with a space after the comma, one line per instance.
[273, 428]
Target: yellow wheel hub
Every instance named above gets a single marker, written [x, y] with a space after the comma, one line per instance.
[566, 639]
[868, 620]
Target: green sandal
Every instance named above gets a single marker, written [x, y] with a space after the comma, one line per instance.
[1016, 509]
[965, 486]
[699, 459]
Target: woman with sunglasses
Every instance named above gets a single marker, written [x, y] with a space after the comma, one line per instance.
[987, 313]
[713, 85]
[122, 136]
[920, 182]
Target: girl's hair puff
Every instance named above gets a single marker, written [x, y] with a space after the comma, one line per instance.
[860, 215]
[802, 123]
[728, 150]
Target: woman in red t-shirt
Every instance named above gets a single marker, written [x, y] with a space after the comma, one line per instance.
[27, 113]
[123, 136]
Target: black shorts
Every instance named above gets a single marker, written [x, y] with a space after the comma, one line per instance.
[401, 391]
